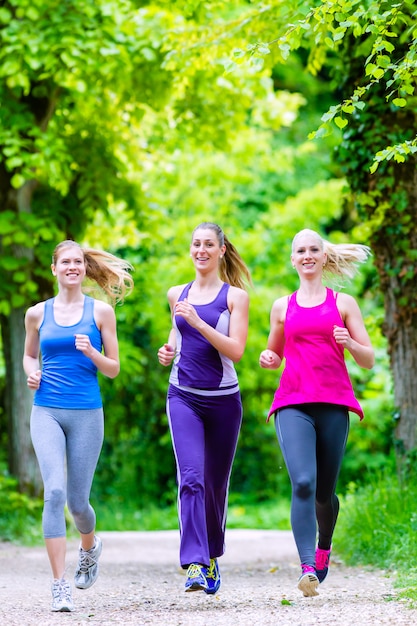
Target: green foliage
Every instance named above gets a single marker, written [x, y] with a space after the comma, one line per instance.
[385, 37]
[380, 516]
[136, 133]
[20, 519]
[241, 514]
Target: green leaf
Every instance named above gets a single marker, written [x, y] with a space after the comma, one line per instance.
[238, 53]
[5, 15]
[17, 181]
[340, 122]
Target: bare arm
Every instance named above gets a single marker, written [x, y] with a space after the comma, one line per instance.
[31, 364]
[166, 353]
[107, 362]
[354, 336]
[271, 358]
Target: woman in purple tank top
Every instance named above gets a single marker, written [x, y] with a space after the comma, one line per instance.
[204, 409]
[311, 329]
[75, 336]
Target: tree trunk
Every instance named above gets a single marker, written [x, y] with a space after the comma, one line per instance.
[18, 397]
[395, 244]
[387, 199]
[18, 400]
[402, 347]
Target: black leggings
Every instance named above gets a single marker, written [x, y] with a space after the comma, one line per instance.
[313, 439]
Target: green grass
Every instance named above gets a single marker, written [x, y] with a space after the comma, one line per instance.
[240, 515]
[377, 526]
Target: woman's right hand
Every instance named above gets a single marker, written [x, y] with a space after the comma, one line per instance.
[34, 380]
[269, 360]
[166, 354]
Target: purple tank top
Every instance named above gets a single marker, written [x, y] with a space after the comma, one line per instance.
[315, 369]
[198, 366]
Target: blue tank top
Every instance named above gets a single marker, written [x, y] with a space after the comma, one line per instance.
[69, 378]
[198, 367]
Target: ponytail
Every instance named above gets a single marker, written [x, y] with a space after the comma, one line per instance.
[232, 268]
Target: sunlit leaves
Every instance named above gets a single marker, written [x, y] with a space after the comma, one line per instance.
[398, 153]
[332, 25]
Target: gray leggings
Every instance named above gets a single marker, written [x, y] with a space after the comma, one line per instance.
[77, 436]
[313, 438]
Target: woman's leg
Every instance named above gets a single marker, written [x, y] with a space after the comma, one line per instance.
[222, 426]
[187, 433]
[48, 441]
[297, 438]
[332, 426]
[84, 431]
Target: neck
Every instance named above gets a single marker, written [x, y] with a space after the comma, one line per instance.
[68, 296]
[205, 282]
[311, 285]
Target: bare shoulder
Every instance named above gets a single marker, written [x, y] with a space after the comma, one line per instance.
[100, 305]
[346, 304]
[345, 298]
[34, 314]
[174, 293]
[238, 296]
[103, 311]
[279, 307]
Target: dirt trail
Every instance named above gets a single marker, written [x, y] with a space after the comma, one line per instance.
[140, 583]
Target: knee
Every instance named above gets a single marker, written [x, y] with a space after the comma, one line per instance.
[78, 509]
[304, 488]
[323, 501]
[56, 499]
[191, 481]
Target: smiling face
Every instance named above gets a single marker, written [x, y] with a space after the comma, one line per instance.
[205, 249]
[307, 255]
[69, 266]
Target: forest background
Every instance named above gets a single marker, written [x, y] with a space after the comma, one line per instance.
[124, 125]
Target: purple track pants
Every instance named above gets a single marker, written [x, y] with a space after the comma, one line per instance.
[204, 431]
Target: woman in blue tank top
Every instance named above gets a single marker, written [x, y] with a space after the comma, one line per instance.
[68, 339]
[208, 335]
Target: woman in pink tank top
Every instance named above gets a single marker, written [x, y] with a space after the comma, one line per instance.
[310, 330]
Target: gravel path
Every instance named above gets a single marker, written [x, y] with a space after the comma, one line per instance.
[140, 583]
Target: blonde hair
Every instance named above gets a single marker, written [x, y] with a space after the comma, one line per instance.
[342, 258]
[111, 273]
[232, 268]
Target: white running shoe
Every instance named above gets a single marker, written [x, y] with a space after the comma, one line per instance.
[87, 571]
[61, 595]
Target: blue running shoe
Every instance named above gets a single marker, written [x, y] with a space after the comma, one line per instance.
[196, 579]
[322, 563]
[213, 577]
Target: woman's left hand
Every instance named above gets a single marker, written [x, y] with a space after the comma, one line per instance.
[341, 335]
[188, 312]
[83, 343]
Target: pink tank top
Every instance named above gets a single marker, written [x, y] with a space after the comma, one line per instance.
[315, 369]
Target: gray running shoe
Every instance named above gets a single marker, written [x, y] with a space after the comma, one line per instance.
[87, 571]
[308, 581]
[61, 596]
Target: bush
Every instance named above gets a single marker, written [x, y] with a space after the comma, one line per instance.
[378, 521]
[20, 519]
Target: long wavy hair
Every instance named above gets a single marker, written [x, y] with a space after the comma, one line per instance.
[343, 259]
[109, 272]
